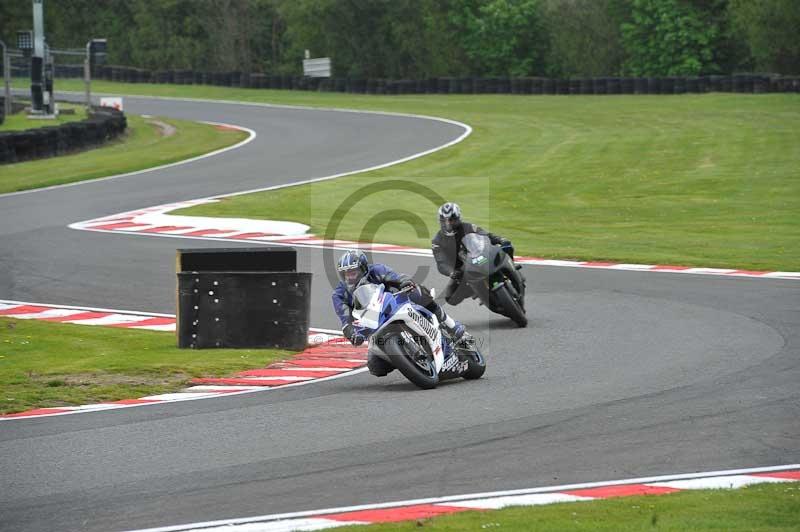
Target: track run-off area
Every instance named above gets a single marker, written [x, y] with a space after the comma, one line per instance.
[620, 373]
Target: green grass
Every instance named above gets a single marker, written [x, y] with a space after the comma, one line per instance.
[709, 180]
[762, 507]
[143, 146]
[56, 364]
[20, 121]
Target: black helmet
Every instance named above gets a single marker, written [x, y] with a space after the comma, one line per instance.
[352, 267]
[450, 218]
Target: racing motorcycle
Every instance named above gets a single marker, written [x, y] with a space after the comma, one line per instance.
[493, 278]
[407, 337]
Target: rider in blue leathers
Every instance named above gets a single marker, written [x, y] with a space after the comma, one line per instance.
[352, 267]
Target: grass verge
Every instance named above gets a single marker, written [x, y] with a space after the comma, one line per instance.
[762, 507]
[20, 121]
[705, 180]
[57, 364]
[143, 146]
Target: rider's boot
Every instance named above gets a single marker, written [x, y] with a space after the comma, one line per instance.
[454, 329]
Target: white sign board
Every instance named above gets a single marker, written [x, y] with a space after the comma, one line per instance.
[115, 102]
[317, 68]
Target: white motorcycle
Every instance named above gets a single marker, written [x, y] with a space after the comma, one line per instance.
[407, 337]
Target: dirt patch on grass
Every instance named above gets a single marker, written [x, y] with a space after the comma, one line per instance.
[166, 130]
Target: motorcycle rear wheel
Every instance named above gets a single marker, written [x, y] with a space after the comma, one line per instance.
[476, 365]
[405, 359]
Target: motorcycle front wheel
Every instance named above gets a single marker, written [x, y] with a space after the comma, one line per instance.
[416, 365]
[510, 307]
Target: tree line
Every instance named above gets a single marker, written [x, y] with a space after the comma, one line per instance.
[415, 39]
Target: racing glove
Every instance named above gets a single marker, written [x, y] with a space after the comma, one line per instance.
[408, 283]
[351, 334]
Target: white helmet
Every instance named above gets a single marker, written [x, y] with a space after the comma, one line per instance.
[449, 218]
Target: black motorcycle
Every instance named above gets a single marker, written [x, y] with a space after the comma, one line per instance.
[493, 278]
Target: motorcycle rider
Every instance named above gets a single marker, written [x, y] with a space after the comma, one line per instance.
[447, 247]
[352, 267]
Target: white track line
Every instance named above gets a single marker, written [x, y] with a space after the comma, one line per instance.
[235, 525]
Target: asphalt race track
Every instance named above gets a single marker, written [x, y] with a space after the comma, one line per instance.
[619, 374]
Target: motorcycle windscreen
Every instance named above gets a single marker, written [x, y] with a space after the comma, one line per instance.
[476, 247]
[368, 301]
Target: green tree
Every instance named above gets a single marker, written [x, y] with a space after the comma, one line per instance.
[372, 38]
[584, 37]
[669, 38]
[771, 31]
[169, 34]
[500, 37]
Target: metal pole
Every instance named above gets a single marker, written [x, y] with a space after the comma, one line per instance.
[87, 77]
[37, 60]
[6, 79]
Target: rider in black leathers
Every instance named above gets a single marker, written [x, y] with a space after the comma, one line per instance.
[447, 244]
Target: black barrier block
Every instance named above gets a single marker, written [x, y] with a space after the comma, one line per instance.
[263, 259]
[760, 84]
[680, 85]
[243, 309]
[667, 85]
[640, 86]
[242, 297]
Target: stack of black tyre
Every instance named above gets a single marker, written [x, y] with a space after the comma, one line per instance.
[103, 125]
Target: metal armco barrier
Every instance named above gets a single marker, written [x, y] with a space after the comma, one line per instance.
[242, 298]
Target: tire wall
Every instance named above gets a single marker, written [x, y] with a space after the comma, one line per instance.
[103, 125]
[757, 84]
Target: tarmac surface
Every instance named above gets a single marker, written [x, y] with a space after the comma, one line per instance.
[619, 374]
